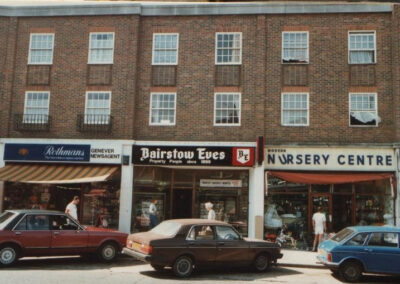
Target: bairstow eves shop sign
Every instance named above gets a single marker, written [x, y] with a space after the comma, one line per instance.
[193, 156]
[332, 159]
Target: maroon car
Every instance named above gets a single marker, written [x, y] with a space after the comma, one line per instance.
[47, 233]
[185, 244]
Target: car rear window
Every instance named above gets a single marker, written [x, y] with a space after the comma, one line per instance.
[5, 218]
[343, 234]
[167, 228]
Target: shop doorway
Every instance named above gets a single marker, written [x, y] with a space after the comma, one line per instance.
[324, 201]
[182, 204]
[342, 211]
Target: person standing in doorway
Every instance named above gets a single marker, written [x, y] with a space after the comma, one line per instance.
[319, 226]
[153, 213]
[211, 213]
[72, 208]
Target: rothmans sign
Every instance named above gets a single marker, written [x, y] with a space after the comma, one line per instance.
[332, 159]
[193, 155]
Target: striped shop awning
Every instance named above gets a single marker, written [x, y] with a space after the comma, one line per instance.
[56, 174]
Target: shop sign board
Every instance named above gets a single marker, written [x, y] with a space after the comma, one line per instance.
[193, 155]
[220, 183]
[330, 159]
[109, 154]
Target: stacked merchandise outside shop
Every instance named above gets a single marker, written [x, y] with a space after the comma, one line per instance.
[354, 186]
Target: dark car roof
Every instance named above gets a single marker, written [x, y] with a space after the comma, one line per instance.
[36, 211]
[197, 222]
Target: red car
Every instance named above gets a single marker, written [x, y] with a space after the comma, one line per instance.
[49, 233]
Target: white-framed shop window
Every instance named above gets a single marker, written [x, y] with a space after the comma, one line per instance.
[162, 108]
[101, 48]
[97, 107]
[295, 47]
[295, 109]
[36, 109]
[165, 49]
[362, 47]
[228, 48]
[227, 109]
[41, 46]
[363, 109]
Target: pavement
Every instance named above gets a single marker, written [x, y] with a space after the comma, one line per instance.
[299, 258]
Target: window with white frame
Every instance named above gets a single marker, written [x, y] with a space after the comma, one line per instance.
[295, 109]
[165, 49]
[162, 109]
[227, 109]
[36, 107]
[101, 48]
[41, 49]
[295, 47]
[363, 110]
[98, 108]
[228, 48]
[362, 47]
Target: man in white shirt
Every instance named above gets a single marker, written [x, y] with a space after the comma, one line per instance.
[211, 212]
[72, 208]
[319, 226]
[153, 213]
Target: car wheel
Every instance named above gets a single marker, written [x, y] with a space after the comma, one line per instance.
[262, 262]
[157, 267]
[108, 252]
[8, 255]
[351, 271]
[183, 266]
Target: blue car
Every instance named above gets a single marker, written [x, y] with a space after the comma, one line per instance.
[359, 249]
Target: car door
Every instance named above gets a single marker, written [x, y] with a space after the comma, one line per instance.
[383, 253]
[354, 248]
[33, 233]
[201, 243]
[67, 237]
[232, 250]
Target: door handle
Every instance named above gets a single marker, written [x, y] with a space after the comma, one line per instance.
[368, 250]
[221, 243]
[56, 233]
[18, 233]
[191, 243]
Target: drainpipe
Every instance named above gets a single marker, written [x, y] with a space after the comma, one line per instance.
[1, 182]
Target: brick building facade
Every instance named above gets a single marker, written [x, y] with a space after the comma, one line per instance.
[263, 79]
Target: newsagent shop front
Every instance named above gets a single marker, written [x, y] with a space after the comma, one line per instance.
[181, 179]
[354, 186]
[40, 175]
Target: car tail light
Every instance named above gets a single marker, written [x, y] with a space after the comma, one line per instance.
[329, 257]
[146, 249]
[129, 243]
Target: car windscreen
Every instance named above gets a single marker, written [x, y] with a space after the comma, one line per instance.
[341, 235]
[166, 228]
[5, 218]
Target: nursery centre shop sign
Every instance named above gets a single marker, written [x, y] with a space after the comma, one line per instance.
[335, 159]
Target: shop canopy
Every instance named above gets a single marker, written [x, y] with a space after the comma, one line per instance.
[56, 174]
[328, 178]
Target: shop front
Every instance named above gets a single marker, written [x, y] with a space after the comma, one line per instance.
[42, 175]
[180, 180]
[354, 186]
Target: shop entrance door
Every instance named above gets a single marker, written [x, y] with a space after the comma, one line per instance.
[342, 211]
[182, 204]
[325, 201]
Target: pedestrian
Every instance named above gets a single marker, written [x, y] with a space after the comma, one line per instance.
[72, 208]
[319, 226]
[211, 213]
[153, 213]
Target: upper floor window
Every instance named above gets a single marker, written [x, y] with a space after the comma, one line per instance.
[228, 48]
[363, 110]
[162, 108]
[98, 107]
[227, 109]
[295, 47]
[101, 48]
[362, 47]
[41, 49]
[165, 49]
[295, 109]
[36, 107]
